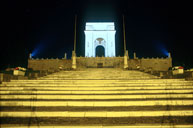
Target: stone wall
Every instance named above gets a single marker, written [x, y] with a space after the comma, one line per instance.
[49, 64]
[92, 62]
[148, 64]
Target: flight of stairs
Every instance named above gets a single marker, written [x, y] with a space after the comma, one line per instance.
[97, 98]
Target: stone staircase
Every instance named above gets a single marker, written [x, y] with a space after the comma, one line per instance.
[97, 98]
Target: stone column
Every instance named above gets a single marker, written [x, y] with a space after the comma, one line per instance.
[1, 77]
[126, 60]
[73, 60]
[169, 55]
[134, 56]
[65, 56]
[30, 56]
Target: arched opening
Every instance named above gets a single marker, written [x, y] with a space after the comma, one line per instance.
[100, 51]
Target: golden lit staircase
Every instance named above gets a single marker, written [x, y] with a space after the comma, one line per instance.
[97, 98]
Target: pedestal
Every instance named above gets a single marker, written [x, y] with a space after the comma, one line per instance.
[73, 60]
[126, 60]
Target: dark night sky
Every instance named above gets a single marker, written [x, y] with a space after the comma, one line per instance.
[47, 27]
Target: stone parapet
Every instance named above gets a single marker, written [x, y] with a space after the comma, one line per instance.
[94, 62]
[49, 64]
[150, 64]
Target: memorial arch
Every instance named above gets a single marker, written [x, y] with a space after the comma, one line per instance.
[100, 35]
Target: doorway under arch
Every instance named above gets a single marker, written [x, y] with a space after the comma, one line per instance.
[100, 51]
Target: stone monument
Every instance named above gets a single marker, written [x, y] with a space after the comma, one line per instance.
[100, 35]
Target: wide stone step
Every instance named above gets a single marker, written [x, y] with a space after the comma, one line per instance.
[94, 97]
[88, 75]
[109, 80]
[98, 114]
[101, 126]
[60, 88]
[91, 84]
[98, 83]
[98, 78]
[119, 92]
[81, 77]
[73, 84]
[95, 109]
[100, 121]
[34, 103]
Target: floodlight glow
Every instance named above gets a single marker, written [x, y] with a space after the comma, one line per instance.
[161, 48]
[165, 52]
[37, 50]
[100, 34]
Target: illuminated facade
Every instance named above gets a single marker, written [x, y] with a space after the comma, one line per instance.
[97, 35]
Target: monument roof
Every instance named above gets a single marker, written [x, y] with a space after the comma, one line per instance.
[100, 26]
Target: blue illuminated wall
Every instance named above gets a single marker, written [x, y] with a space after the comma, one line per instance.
[100, 34]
